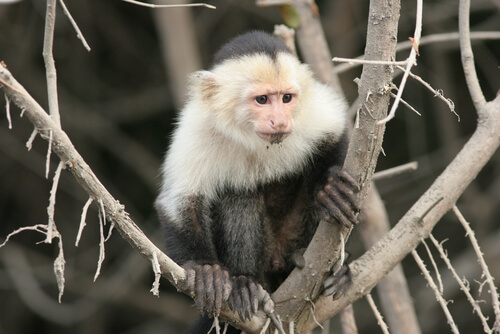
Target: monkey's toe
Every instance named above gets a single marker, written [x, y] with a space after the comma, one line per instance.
[337, 284]
[211, 285]
[245, 296]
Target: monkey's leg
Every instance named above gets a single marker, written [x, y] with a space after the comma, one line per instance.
[212, 286]
[337, 199]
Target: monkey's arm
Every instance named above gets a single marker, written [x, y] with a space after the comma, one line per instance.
[189, 243]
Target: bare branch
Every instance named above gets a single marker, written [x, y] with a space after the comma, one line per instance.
[411, 61]
[32, 137]
[375, 310]
[52, 202]
[468, 56]
[438, 295]
[437, 92]
[75, 26]
[156, 269]
[138, 3]
[434, 265]
[460, 282]
[42, 228]
[351, 61]
[59, 265]
[63, 147]
[50, 67]
[47, 158]
[7, 111]
[82, 220]
[409, 167]
[429, 39]
[493, 289]
[102, 252]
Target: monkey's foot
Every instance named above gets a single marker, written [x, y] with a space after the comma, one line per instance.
[211, 285]
[337, 284]
[246, 295]
[337, 199]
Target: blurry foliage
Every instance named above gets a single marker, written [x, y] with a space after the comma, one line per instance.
[116, 106]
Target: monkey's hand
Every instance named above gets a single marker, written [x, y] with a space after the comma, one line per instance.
[211, 284]
[337, 199]
[340, 280]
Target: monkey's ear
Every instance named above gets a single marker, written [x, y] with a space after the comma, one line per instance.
[204, 82]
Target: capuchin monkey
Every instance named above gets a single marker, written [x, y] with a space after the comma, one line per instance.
[253, 166]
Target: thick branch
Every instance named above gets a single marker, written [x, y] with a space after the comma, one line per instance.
[305, 284]
[418, 222]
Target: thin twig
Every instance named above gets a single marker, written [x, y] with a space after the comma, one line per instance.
[429, 39]
[410, 62]
[42, 228]
[59, 266]
[50, 67]
[101, 246]
[460, 282]
[406, 104]
[82, 220]
[157, 271]
[49, 152]
[32, 137]
[467, 55]
[52, 202]
[169, 6]
[489, 278]
[437, 92]
[434, 288]
[434, 265]
[351, 61]
[7, 111]
[75, 26]
[387, 173]
[380, 319]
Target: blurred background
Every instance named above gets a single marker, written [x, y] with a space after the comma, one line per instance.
[117, 105]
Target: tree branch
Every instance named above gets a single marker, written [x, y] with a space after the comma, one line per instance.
[63, 147]
[305, 284]
[418, 222]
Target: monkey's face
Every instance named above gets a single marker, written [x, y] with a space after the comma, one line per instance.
[271, 110]
[255, 98]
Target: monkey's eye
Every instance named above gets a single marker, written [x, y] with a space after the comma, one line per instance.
[287, 98]
[261, 99]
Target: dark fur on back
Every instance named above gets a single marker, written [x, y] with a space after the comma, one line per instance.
[252, 42]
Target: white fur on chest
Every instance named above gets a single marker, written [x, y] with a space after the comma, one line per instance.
[202, 160]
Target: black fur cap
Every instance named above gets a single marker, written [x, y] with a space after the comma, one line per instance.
[250, 43]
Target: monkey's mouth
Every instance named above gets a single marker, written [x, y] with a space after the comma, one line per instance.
[273, 138]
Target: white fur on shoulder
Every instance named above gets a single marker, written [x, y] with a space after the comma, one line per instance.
[212, 148]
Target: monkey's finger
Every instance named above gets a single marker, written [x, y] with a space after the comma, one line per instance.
[254, 295]
[236, 299]
[218, 283]
[227, 284]
[332, 209]
[199, 296]
[245, 299]
[349, 194]
[339, 288]
[338, 200]
[208, 276]
[347, 178]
